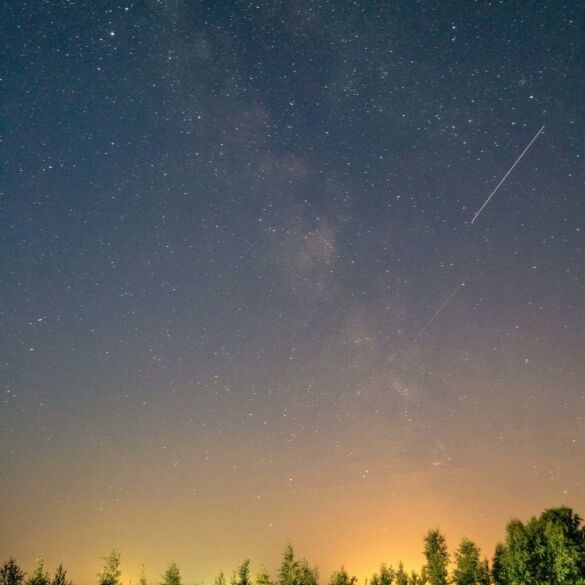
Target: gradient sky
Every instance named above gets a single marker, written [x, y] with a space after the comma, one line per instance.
[224, 227]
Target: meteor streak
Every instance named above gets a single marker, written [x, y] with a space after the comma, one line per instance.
[439, 310]
[506, 175]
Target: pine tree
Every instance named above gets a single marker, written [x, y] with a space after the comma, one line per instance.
[386, 575]
[289, 567]
[341, 577]
[172, 576]
[263, 578]
[220, 579]
[242, 574]
[60, 577]
[467, 564]
[415, 579]
[111, 573]
[11, 574]
[437, 558]
[307, 575]
[401, 575]
[39, 575]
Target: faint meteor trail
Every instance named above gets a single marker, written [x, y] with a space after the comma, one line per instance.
[439, 310]
[506, 175]
[454, 291]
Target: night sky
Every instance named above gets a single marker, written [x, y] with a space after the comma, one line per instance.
[226, 229]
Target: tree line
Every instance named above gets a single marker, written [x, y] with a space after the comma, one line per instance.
[546, 550]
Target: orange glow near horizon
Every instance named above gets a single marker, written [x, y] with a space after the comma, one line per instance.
[360, 522]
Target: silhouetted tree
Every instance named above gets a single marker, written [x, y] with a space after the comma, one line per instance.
[437, 558]
[341, 577]
[220, 579]
[263, 578]
[307, 575]
[60, 577]
[401, 575]
[293, 572]
[39, 576]
[142, 580]
[546, 550]
[386, 576]
[172, 576]
[498, 568]
[11, 574]
[467, 564]
[241, 575]
[484, 576]
[111, 572]
[415, 579]
[288, 567]
[560, 529]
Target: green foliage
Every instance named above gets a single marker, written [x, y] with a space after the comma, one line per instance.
[111, 572]
[386, 576]
[288, 567]
[401, 575]
[293, 572]
[545, 550]
[415, 579]
[241, 575]
[549, 550]
[263, 578]
[484, 575]
[39, 575]
[341, 577]
[518, 558]
[307, 575]
[220, 579]
[172, 576]
[565, 544]
[60, 577]
[11, 574]
[498, 565]
[467, 564]
[437, 558]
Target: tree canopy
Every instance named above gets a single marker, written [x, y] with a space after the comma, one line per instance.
[111, 572]
[11, 574]
[342, 577]
[242, 574]
[437, 558]
[545, 550]
[296, 572]
[172, 576]
[467, 564]
[60, 577]
[39, 576]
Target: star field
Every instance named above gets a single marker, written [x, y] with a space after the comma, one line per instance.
[224, 228]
